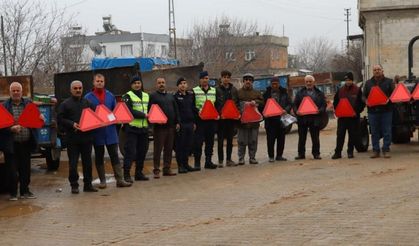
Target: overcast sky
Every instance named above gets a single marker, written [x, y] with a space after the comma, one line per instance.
[301, 18]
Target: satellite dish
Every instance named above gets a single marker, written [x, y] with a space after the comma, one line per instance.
[95, 46]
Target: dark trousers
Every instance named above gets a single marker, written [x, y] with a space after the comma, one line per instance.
[350, 125]
[163, 141]
[75, 148]
[11, 174]
[100, 154]
[204, 132]
[19, 166]
[183, 144]
[302, 137]
[225, 131]
[275, 133]
[136, 147]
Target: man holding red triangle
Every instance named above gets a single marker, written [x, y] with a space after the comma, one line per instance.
[380, 116]
[309, 122]
[273, 125]
[225, 91]
[353, 94]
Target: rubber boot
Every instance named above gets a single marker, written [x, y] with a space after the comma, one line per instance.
[120, 182]
[101, 173]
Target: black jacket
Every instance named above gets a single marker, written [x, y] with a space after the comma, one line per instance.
[320, 101]
[387, 86]
[69, 112]
[354, 94]
[167, 103]
[186, 105]
[282, 98]
[223, 94]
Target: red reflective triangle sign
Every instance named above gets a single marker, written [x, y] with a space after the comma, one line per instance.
[230, 111]
[415, 94]
[400, 94]
[6, 118]
[250, 114]
[105, 114]
[156, 115]
[344, 109]
[272, 108]
[307, 107]
[376, 97]
[122, 113]
[208, 111]
[31, 117]
[89, 120]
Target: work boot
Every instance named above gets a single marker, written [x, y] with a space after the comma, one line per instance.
[375, 155]
[127, 177]
[253, 161]
[241, 161]
[182, 169]
[139, 176]
[231, 163]
[102, 177]
[209, 164]
[336, 155]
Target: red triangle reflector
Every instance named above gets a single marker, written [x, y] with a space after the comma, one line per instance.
[376, 97]
[250, 114]
[156, 115]
[272, 108]
[6, 118]
[31, 117]
[400, 94]
[208, 111]
[415, 94]
[122, 113]
[344, 109]
[307, 107]
[89, 120]
[230, 111]
[105, 114]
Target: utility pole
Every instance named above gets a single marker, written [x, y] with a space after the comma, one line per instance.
[4, 47]
[172, 30]
[347, 14]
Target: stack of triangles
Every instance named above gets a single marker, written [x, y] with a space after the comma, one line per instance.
[156, 115]
[307, 107]
[272, 108]
[344, 109]
[89, 120]
[376, 97]
[105, 114]
[208, 111]
[230, 111]
[122, 113]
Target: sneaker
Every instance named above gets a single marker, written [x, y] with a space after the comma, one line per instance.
[13, 198]
[220, 164]
[102, 185]
[280, 158]
[156, 173]
[231, 163]
[271, 159]
[253, 161]
[241, 161]
[29, 195]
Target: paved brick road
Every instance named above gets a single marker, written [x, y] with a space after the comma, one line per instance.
[358, 201]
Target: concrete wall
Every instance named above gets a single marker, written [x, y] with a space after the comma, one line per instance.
[387, 34]
[366, 5]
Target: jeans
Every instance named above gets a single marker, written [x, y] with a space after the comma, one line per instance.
[225, 131]
[380, 124]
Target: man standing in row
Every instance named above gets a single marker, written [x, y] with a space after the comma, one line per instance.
[248, 132]
[184, 137]
[309, 122]
[275, 131]
[105, 136]
[205, 129]
[380, 116]
[225, 91]
[78, 142]
[136, 131]
[164, 134]
[19, 143]
[353, 94]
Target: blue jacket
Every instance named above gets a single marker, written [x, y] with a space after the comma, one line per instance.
[105, 135]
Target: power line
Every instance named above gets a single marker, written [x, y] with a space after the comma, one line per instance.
[347, 14]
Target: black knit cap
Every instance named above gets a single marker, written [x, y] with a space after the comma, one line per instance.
[179, 80]
[349, 76]
[203, 74]
[135, 78]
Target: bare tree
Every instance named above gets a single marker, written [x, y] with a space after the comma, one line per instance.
[316, 54]
[350, 61]
[223, 41]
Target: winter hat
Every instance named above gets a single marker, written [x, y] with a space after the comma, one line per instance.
[135, 78]
[180, 80]
[203, 74]
[349, 76]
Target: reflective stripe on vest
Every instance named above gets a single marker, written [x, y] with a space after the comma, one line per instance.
[139, 105]
[201, 96]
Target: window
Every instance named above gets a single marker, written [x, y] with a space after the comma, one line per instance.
[249, 55]
[151, 50]
[126, 50]
[229, 56]
[163, 51]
